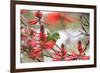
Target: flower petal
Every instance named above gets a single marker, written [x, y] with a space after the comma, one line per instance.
[85, 57]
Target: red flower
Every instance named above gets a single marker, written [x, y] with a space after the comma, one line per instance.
[79, 47]
[36, 53]
[42, 36]
[38, 14]
[64, 52]
[59, 56]
[78, 56]
[32, 43]
[85, 57]
[49, 44]
[44, 43]
[33, 22]
[55, 17]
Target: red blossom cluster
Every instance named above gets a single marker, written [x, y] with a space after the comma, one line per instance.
[63, 54]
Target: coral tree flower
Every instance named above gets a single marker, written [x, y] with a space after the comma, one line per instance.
[55, 17]
[83, 57]
[81, 54]
[32, 43]
[42, 36]
[50, 44]
[64, 56]
[33, 22]
[79, 47]
[35, 53]
[38, 14]
[78, 56]
[61, 55]
[46, 44]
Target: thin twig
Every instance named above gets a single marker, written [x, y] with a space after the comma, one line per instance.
[24, 20]
[57, 46]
